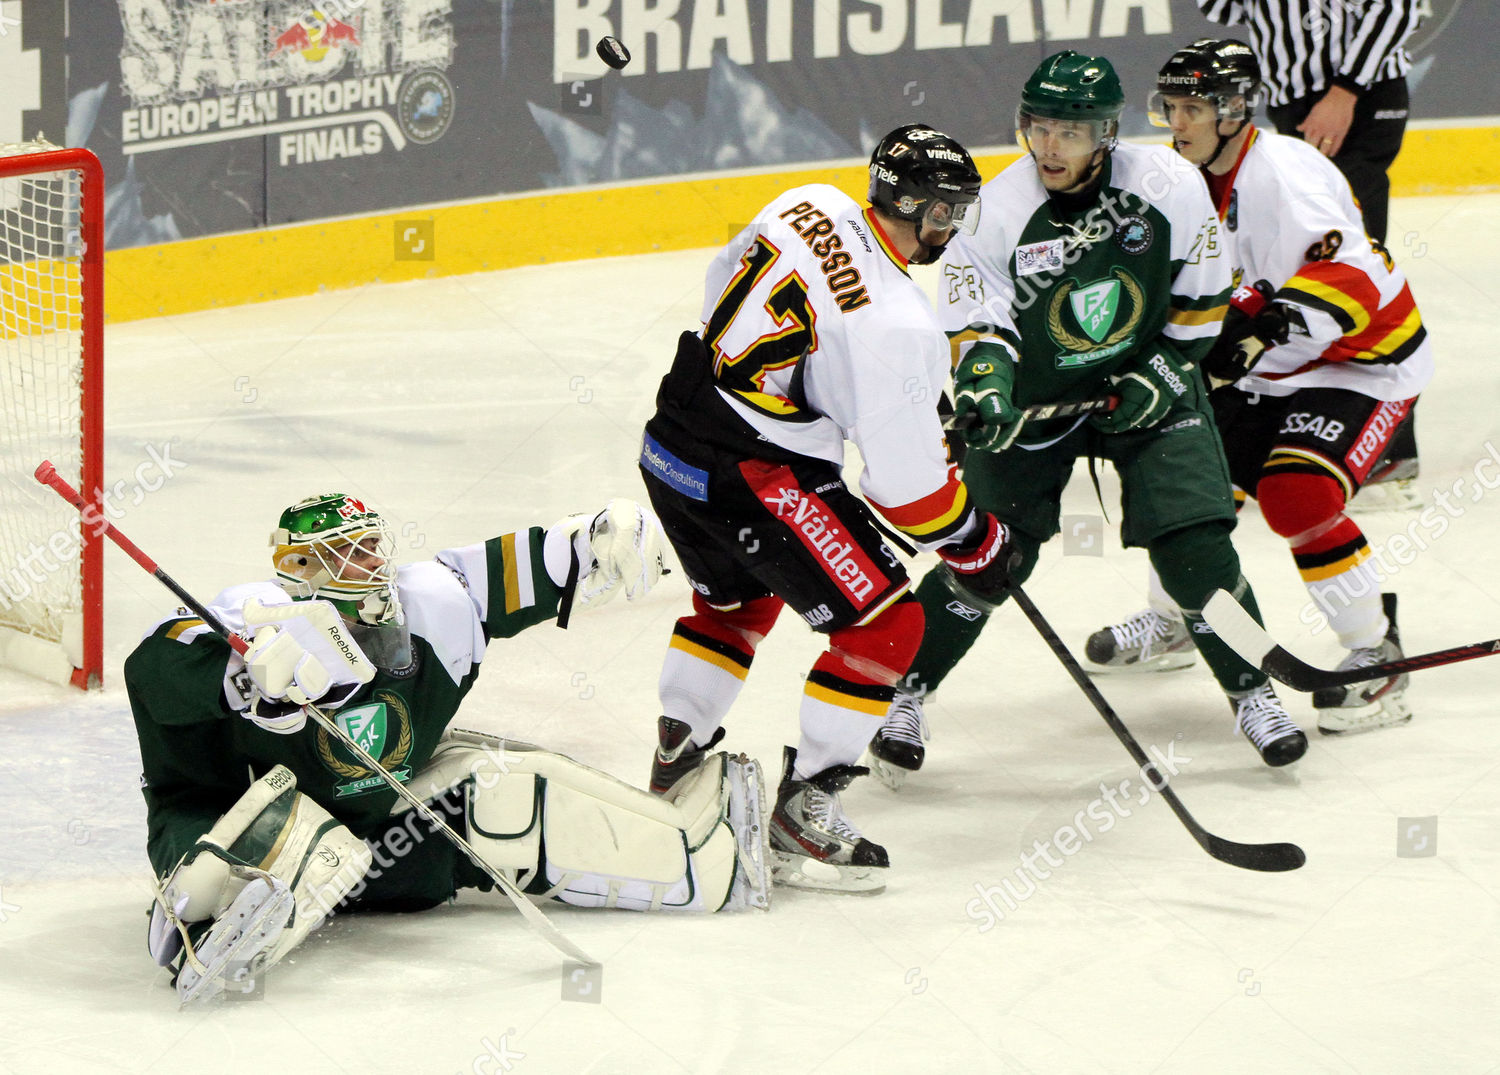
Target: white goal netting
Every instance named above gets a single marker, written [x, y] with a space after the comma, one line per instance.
[41, 408]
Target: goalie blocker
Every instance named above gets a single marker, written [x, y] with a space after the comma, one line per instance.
[276, 865]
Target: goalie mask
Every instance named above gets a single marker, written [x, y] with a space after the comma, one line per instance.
[332, 547]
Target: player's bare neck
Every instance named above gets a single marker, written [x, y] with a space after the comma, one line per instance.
[1228, 158]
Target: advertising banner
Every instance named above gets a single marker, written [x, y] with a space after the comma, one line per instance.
[224, 115]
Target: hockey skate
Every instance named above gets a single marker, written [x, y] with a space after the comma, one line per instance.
[1262, 719]
[675, 756]
[897, 750]
[813, 845]
[1147, 642]
[744, 806]
[235, 951]
[1364, 707]
[1391, 486]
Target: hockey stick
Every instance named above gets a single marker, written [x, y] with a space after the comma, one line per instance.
[1038, 413]
[1251, 641]
[47, 474]
[1269, 858]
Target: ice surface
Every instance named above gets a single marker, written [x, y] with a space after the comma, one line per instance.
[468, 406]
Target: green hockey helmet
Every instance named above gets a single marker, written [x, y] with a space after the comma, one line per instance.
[1071, 86]
[331, 546]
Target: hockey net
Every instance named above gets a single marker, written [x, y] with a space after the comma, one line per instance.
[51, 371]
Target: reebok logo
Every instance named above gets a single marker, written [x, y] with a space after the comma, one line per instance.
[1168, 375]
[342, 644]
[963, 611]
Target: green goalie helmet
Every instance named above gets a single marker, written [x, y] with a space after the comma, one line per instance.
[332, 547]
[1071, 86]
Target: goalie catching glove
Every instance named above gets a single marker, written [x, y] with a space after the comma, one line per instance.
[983, 385]
[1146, 392]
[1254, 324]
[618, 549]
[982, 563]
[301, 655]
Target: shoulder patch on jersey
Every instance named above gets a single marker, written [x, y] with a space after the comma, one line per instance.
[1133, 234]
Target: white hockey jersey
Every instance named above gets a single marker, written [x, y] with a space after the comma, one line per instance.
[1290, 218]
[818, 335]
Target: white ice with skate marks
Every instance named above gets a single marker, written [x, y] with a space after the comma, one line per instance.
[467, 406]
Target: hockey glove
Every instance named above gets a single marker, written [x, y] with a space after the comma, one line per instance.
[621, 548]
[1146, 392]
[300, 655]
[982, 386]
[982, 565]
[1254, 324]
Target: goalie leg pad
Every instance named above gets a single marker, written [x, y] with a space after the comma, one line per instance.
[585, 838]
[273, 833]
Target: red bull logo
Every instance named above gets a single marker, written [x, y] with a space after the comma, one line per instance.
[340, 33]
[314, 34]
[296, 39]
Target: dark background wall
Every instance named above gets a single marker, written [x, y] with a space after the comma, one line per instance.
[223, 115]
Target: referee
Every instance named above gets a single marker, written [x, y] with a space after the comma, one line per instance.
[1336, 72]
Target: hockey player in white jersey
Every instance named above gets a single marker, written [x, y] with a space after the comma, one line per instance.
[813, 334]
[1324, 351]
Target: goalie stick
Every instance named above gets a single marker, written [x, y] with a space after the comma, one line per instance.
[47, 474]
[1268, 858]
[1250, 640]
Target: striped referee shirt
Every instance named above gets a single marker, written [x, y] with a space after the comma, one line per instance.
[1304, 46]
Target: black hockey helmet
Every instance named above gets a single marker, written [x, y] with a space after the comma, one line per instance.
[920, 174]
[1222, 71]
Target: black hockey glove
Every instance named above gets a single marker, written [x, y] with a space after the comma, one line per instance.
[1254, 324]
[982, 565]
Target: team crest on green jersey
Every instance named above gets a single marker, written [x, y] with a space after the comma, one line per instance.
[383, 730]
[366, 725]
[1107, 312]
[1094, 307]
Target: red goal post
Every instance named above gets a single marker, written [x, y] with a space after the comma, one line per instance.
[51, 393]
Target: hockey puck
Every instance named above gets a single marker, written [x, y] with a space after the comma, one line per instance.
[612, 52]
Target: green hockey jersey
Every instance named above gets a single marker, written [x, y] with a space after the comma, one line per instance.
[188, 693]
[1076, 290]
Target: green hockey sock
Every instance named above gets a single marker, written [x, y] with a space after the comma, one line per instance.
[952, 627]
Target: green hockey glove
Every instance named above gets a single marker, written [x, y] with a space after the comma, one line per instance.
[982, 386]
[1146, 392]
